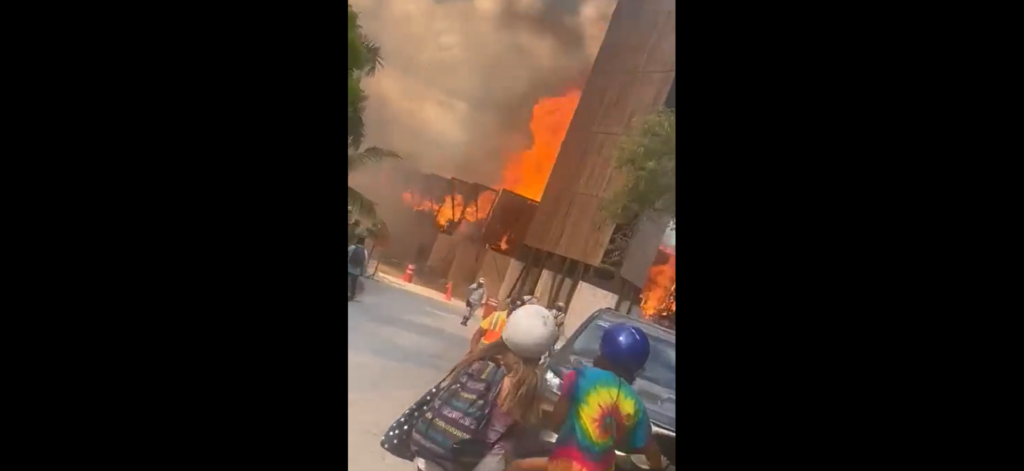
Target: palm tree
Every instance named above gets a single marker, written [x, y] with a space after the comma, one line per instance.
[358, 203]
[365, 60]
[370, 63]
[374, 60]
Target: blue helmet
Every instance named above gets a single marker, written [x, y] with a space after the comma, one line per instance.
[626, 347]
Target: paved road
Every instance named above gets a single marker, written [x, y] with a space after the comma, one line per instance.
[400, 344]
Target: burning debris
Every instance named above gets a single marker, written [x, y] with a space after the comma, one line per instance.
[658, 297]
[503, 244]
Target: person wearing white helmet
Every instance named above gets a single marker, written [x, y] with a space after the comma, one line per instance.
[530, 332]
[492, 326]
[527, 336]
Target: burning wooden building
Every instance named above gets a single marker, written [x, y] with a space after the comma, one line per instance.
[459, 221]
[473, 230]
[503, 235]
[573, 253]
[555, 241]
[411, 215]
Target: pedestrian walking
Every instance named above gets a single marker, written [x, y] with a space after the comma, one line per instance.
[357, 258]
[475, 299]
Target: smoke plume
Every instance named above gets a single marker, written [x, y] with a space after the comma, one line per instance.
[460, 77]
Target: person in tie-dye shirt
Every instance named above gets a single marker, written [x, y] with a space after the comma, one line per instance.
[598, 411]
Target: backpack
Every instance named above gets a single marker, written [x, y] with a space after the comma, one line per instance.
[358, 257]
[451, 428]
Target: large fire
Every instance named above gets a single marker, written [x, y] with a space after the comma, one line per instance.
[527, 173]
[658, 295]
[484, 203]
[452, 209]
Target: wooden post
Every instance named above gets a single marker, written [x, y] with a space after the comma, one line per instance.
[561, 279]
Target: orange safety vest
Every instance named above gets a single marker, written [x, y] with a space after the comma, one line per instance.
[495, 325]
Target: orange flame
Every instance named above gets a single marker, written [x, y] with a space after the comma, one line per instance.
[504, 243]
[527, 173]
[484, 202]
[411, 200]
[658, 295]
[451, 210]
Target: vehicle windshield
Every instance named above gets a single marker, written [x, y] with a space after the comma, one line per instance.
[660, 368]
[656, 383]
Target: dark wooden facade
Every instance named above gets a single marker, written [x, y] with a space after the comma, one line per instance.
[509, 219]
[631, 76]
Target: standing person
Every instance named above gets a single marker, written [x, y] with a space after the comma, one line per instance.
[357, 258]
[559, 314]
[477, 295]
[598, 411]
[491, 328]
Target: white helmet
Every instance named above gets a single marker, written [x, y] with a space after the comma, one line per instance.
[530, 331]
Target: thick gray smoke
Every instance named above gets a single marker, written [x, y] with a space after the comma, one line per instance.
[460, 77]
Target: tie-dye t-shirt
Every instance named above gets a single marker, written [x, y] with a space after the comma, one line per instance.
[603, 411]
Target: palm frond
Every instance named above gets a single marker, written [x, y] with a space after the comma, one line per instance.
[374, 61]
[356, 54]
[369, 155]
[361, 205]
[376, 154]
[356, 107]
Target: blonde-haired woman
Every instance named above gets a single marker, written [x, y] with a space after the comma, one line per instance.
[527, 336]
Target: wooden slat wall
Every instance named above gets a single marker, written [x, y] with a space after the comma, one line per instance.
[631, 76]
[469, 257]
[493, 271]
[443, 254]
[411, 231]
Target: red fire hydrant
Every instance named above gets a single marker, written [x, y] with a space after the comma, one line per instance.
[448, 294]
[409, 271]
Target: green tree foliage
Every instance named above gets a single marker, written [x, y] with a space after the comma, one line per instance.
[364, 60]
[357, 58]
[646, 159]
[356, 62]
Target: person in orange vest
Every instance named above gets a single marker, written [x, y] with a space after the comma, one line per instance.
[491, 327]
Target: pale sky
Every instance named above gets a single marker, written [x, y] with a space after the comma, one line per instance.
[669, 238]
